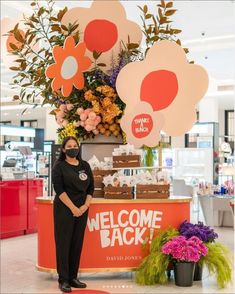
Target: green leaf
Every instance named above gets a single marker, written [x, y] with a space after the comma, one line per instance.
[178, 42]
[18, 36]
[52, 18]
[163, 3]
[33, 4]
[64, 28]
[132, 45]
[13, 46]
[31, 38]
[147, 16]
[41, 11]
[175, 31]
[101, 64]
[170, 12]
[169, 5]
[96, 55]
[145, 9]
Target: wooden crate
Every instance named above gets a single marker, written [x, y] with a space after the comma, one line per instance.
[118, 192]
[99, 175]
[98, 193]
[152, 191]
[126, 161]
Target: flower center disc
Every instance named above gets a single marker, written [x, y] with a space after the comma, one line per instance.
[69, 67]
[159, 88]
[100, 35]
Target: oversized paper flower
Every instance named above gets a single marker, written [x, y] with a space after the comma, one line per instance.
[168, 82]
[142, 125]
[8, 24]
[70, 63]
[103, 27]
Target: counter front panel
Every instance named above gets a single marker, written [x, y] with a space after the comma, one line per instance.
[115, 231]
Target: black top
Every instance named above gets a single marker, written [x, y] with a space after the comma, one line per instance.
[76, 180]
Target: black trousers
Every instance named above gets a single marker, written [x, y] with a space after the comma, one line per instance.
[69, 234]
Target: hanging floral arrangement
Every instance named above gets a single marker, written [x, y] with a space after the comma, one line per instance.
[72, 59]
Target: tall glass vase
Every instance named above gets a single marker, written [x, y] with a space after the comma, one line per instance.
[184, 273]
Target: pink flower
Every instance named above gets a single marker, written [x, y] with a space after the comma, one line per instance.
[92, 115]
[80, 111]
[83, 116]
[64, 123]
[60, 114]
[69, 106]
[88, 128]
[87, 111]
[63, 107]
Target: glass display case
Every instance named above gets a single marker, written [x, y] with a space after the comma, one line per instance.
[194, 165]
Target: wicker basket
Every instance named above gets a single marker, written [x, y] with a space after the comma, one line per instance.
[152, 191]
[126, 161]
[118, 192]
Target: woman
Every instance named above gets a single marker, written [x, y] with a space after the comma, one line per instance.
[74, 185]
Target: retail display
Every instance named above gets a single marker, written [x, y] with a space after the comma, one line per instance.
[18, 206]
[116, 228]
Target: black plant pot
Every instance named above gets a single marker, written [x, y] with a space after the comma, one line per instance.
[197, 272]
[184, 272]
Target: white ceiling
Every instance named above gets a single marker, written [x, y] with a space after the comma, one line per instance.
[208, 30]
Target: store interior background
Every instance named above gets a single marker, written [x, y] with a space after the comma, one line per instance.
[208, 30]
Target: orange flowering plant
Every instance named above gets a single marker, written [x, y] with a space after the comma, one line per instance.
[67, 68]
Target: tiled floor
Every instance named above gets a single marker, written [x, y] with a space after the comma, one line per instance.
[18, 273]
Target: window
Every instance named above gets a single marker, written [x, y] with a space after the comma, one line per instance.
[229, 127]
[28, 124]
[5, 139]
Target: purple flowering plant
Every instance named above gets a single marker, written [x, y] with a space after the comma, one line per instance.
[204, 233]
[187, 250]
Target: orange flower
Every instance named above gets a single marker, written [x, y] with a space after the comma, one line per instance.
[69, 64]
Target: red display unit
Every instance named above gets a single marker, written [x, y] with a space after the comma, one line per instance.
[35, 188]
[18, 206]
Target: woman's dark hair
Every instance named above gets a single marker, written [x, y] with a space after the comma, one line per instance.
[62, 154]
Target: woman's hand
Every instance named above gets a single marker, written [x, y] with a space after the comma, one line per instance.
[83, 208]
[76, 211]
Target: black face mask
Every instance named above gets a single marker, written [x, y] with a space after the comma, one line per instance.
[73, 152]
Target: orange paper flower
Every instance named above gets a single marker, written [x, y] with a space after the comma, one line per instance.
[69, 65]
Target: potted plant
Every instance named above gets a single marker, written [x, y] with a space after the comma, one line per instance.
[153, 269]
[184, 253]
[218, 259]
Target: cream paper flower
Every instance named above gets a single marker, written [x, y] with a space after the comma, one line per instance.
[103, 27]
[142, 125]
[168, 82]
[8, 24]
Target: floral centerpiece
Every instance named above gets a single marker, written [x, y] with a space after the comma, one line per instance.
[218, 259]
[67, 60]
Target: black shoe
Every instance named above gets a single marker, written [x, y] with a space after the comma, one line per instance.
[64, 287]
[75, 283]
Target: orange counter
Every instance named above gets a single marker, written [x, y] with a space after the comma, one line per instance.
[115, 231]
